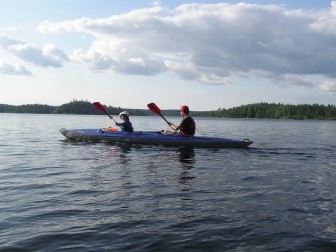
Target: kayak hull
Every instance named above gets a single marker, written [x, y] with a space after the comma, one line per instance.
[152, 138]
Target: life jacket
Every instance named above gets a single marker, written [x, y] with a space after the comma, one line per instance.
[110, 129]
[188, 126]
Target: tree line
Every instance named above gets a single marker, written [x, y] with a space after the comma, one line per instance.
[84, 107]
[257, 110]
[279, 111]
[74, 107]
[28, 108]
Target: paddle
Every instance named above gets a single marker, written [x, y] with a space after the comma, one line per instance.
[156, 110]
[101, 108]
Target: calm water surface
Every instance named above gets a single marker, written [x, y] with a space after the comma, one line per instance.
[57, 195]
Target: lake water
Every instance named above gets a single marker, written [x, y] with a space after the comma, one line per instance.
[58, 195]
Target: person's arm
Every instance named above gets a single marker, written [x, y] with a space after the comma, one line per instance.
[174, 127]
[116, 123]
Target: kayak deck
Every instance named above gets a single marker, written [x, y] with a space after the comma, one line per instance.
[152, 138]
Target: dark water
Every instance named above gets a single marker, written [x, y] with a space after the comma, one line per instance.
[56, 195]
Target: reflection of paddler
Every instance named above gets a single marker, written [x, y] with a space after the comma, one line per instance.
[187, 159]
[187, 155]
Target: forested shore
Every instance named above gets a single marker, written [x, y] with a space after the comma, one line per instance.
[279, 111]
[74, 107]
[256, 110]
[84, 108]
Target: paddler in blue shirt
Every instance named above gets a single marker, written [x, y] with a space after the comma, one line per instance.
[125, 126]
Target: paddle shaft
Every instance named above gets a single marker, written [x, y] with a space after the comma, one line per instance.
[164, 119]
[108, 115]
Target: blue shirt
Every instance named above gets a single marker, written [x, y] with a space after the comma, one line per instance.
[126, 126]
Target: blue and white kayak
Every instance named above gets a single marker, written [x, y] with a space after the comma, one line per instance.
[152, 138]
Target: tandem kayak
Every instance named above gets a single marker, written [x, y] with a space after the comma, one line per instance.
[152, 138]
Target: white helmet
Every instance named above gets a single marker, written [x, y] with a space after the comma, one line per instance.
[124, 113]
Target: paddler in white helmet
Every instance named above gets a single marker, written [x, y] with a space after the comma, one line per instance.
[126, 125]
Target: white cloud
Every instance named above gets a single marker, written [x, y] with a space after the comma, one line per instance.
[14, 69]
[46, 56]
[192, 72]
[326, 21]
[126, 62]
[210, 43]
[295, 80]
[328, 86]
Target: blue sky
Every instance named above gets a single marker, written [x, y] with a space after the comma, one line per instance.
[206, 54]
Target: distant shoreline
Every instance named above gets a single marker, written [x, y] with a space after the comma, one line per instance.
[250, 111]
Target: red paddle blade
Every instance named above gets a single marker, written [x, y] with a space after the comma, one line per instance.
[155, 109]
[99, 107]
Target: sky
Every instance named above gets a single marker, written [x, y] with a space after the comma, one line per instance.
[204, 54]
